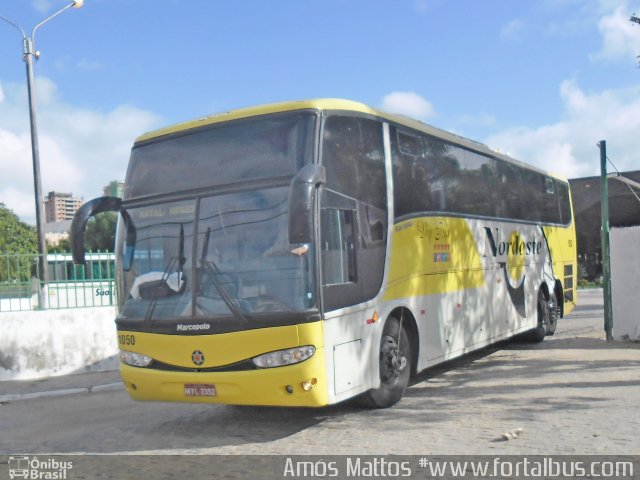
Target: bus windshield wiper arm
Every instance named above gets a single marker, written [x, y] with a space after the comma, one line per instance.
[181, 258]
[214, 273]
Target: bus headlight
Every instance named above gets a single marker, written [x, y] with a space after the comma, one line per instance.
[281, 358]
[135, 359]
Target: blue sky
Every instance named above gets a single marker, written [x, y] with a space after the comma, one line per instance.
[541, 80]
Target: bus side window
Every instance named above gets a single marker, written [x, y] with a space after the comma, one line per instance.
[338, 246]
[510, 186]
[413, 193]
[565, 203]
[550, 205]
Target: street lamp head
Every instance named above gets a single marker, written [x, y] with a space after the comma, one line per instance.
[77, 3]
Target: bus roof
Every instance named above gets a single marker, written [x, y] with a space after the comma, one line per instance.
[319, 104]
[335, 104]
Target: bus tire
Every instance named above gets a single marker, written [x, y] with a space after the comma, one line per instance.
[554, 314]
[544, 318]
[395, 366]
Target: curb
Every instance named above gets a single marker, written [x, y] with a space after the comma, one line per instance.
[107, 387]
[62, 392]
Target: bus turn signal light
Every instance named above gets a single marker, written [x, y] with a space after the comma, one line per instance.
[307, 385]
[373, 319]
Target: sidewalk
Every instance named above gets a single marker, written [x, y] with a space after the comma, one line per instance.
[78, 383]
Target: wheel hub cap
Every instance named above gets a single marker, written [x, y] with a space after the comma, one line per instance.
[392, 361]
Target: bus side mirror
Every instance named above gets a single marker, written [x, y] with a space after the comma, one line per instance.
[301, 200]
[130, 240]
[81, 217]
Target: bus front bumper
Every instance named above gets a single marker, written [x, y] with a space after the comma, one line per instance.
[302, 384]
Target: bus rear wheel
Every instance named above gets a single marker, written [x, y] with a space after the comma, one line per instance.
[394, 365]
[547, 316]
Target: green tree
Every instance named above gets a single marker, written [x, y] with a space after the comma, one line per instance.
[100, 232]
[16, 240]
[15, 236]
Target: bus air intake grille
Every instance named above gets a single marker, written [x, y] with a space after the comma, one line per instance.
[233, 367]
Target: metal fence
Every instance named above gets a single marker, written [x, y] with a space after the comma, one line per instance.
[67, 285]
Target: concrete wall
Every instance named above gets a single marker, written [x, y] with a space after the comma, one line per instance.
[625, 282]
[56, 342]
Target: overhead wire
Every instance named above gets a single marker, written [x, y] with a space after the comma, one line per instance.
[620, 174]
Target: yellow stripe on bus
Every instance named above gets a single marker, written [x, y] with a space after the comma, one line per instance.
[433, 255]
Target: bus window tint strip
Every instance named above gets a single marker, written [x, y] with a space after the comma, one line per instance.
[431, 175]
[222, 154]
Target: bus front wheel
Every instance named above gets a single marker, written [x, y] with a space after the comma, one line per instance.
[394, 365]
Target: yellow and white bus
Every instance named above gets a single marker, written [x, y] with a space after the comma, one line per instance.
[304, 253]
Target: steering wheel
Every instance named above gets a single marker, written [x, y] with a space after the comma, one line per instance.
[268, 303]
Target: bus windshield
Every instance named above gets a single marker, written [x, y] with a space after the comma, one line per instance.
[239, 265]
[217, 247]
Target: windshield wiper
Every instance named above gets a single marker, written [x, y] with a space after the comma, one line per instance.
[215, 273]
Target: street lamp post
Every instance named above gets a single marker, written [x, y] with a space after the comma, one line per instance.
[604, 238]
[28, 45]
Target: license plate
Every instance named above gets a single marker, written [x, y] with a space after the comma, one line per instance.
[199, 390]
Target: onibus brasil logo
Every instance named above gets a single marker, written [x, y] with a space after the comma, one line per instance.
[35, 468]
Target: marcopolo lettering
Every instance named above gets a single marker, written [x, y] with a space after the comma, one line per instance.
[181, 327]
[517, 246]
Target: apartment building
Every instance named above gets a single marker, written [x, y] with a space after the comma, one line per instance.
[59, 206]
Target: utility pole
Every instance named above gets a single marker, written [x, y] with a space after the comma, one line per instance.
[29, 53]
[635, 19]
[606, 250]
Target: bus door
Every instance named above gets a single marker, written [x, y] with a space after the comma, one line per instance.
[353, 239]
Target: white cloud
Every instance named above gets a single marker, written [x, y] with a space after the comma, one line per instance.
[568, 147]
[16, 182]
[512, 30]
[620, 37]
[20, 201]
[46, 92]
[80, 150]
[408, 103]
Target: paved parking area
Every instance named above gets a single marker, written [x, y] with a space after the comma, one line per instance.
[572, 394]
